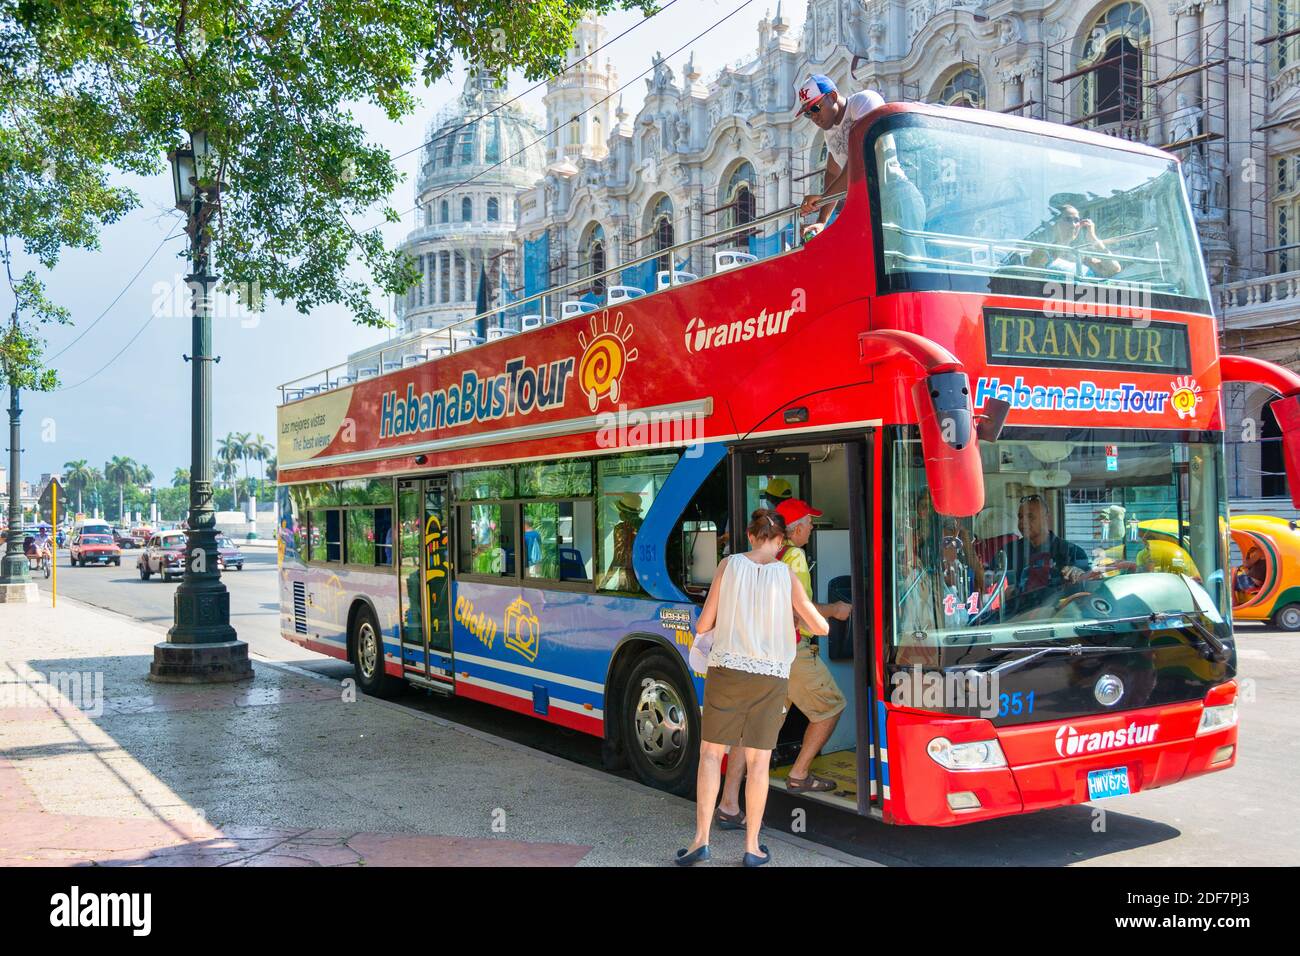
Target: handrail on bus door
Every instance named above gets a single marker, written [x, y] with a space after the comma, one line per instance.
[1242, 368]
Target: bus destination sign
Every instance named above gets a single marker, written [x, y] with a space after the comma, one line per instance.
[1043, 339]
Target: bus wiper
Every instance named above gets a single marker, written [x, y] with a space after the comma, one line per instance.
[1218, 651]
[1034, 653]
[1171, 620]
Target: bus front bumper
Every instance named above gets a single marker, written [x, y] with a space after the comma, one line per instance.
[1047, 764]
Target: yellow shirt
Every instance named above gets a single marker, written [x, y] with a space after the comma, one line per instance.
[798, 562]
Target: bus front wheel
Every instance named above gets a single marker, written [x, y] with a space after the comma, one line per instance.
[661, 727]
[368, 657]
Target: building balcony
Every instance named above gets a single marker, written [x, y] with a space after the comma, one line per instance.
[1258, 302]
[1286, 80]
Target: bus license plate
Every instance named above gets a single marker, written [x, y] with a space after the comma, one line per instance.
[1108, 783]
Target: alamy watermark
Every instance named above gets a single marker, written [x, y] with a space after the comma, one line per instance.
[82, 689]
[636, 428]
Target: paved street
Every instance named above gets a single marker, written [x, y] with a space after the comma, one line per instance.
[1237, 817]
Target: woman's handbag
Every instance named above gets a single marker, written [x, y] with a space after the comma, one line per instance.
[699, 655]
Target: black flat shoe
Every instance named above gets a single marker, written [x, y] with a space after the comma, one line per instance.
[753, 859]
[690, 858]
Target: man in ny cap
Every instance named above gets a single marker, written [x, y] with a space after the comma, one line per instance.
[811, 687]
[817, 98]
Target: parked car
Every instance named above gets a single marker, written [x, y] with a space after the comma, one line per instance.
[140, 535]
[228, 555]
[122, 537]
[164, 555]
[94, 547]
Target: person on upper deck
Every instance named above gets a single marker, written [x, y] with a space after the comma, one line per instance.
[818, 98]
[1073, 237]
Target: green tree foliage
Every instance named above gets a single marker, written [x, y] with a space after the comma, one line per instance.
[94, 86]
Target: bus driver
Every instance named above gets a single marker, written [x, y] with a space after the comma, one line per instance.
[1039, 563]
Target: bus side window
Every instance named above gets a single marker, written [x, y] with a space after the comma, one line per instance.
[626, 486]
[699, 540]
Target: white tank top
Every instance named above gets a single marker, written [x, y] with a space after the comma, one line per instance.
[755, 626]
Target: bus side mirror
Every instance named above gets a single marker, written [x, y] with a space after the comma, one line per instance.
[1287, 412]
[988, 427]
[953, 468]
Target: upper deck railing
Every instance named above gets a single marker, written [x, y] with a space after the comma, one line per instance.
[463, 335]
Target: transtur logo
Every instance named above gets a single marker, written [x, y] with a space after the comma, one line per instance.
[1071, 743]
[699, 336]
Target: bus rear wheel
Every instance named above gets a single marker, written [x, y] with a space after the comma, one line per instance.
[368, 657]
[661, 727]
[1287, 618]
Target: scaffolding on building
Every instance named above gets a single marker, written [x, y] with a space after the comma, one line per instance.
[1185, 94]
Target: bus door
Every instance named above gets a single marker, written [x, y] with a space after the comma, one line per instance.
[436, 552]
[424, 571]
[834, 476]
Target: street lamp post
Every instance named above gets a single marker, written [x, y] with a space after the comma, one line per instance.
[15, 583]
[201, 645]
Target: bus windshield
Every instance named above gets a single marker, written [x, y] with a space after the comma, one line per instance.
[1079, 529]
[961, 206]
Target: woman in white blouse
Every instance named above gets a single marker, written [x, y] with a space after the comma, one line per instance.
[751, 608]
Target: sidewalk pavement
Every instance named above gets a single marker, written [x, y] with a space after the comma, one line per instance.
[100, 766]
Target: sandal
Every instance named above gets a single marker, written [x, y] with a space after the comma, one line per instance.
[753, 859]
[691, 857]
[810, 784]
[730, 821]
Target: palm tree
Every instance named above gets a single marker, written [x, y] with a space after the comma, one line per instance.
[180, 477]
[259, 449]
[78, 476]
[227, 452]
[144, 475]
[242, 443]
[121, 472]
[272, 468]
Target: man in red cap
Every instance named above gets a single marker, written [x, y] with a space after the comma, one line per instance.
[811, 688]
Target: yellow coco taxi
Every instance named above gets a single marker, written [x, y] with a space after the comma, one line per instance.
[1266, 583]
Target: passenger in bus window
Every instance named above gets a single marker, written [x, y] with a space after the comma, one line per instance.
[1073, 237]
[620, 575]
[1039, 563]
[818, 99]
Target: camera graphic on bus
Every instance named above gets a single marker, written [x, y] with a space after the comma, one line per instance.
[521, 629]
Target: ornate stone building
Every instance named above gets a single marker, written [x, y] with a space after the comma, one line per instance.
[1215, 81]
[471, 171]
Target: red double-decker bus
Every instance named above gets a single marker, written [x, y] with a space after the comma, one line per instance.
[997, 375]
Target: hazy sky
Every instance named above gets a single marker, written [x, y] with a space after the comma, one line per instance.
[139, 404]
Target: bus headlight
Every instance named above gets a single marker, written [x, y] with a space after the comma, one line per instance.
[1217, 718]
[978, 755]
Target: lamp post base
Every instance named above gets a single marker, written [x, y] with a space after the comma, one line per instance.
[26, 593]
[221, 663]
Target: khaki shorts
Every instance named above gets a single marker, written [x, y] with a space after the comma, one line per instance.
[740, 705]
[812, 688]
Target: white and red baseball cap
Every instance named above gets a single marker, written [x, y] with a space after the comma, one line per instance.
[811, 90]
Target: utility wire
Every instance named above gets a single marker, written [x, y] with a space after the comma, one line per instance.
[536, 86]
[116, 356]
[603, 99]
[172, 235]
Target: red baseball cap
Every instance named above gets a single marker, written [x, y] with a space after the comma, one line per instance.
[796, 509]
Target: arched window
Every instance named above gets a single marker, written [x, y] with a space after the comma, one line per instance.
[964, 88]
[466, 138]
[573, 132]
[661, 230]
[1114, 92]
[493, 209]
[444, 213]
[466, 209]
[593, 255]
[493, 151]
[597, 138]
[738, 203]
